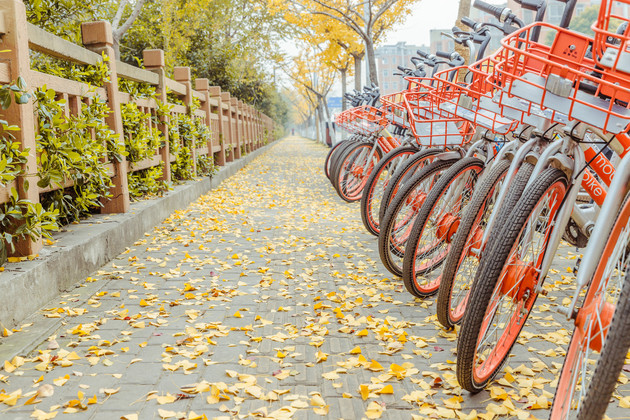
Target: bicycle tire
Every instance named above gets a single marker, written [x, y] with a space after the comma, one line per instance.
[338, 158]
[591, 331]
[380, 175]
[413, 165]
[491, 278]
[331, 152]
[471, 218]
[449, 273]
[611, 360]
[437, 213]
[349, 187]
[388, 246]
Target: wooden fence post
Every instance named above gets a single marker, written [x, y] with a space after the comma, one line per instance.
[229, 133]
[97, 36]
[15, 53]
[215, 93]
[202, 86]
[258, 128]
[154, 61]
[237, 128]
[182, 75]
[243, 122]
[250, 128]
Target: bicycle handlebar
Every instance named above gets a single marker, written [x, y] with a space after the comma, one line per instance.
[495, 11]
[530, 4]
[468, 22]
[443, 54]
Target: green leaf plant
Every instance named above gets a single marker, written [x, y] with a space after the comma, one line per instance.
[19, 218]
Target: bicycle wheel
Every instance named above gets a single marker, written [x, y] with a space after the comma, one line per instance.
[331, 152]
[379, 180]
[589, 374]
[504, 289]
[354, 170]
[462, 262]
[396, 225]
[402, 175]
[337, 159]
[468, 236]
[435, 225]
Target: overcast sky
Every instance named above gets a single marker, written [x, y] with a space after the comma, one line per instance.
[425, 15]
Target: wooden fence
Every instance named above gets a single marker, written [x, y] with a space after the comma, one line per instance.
[236, 127]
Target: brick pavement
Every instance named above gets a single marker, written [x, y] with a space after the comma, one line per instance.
[266, 297]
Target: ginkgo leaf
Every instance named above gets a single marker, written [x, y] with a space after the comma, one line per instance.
[387, 389]
[42, 415]
[364, 391]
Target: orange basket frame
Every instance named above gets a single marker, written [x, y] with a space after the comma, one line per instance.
[545, 77]
[431, 125]
[463, 99]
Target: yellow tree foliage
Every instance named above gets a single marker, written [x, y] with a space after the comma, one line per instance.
[312, 80]
[367, 20]
[337, 44]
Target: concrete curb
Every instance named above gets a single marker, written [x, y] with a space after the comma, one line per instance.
[84, 247]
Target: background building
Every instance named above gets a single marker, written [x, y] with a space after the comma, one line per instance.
[388, 57]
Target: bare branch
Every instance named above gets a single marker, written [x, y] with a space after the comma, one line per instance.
[119, 13]
[384, 7]
[119, 32]
[343, 17]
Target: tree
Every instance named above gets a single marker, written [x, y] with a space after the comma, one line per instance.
[119, 27]
[463, 10]
[233, 43]
[369, 19]
[337, 45]
[63, 18]
[582, 22]
[313, 81]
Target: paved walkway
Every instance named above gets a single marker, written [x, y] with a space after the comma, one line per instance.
[265, 298]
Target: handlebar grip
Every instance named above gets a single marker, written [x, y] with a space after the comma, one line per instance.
[530, 4]
[422, 54]
[443, 54]
[401, 68]
[468, 22]
[495, 11]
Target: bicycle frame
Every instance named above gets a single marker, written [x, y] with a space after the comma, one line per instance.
[617, 191]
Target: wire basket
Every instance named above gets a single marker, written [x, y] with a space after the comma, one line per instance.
[612, 49]
[346, 121]
[394, 109]
[560, 82]
[369, 119]
[468, 94]
[433, 126]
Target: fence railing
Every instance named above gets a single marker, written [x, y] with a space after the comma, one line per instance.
[236, 127]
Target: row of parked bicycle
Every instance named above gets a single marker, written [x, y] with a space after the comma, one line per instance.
[472, 176]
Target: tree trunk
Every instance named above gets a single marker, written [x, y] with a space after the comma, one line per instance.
[116, 46]
[464, 10]
[343, 89]
[357, 72]
[325, 103]
[317, 124]
[371, 60]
